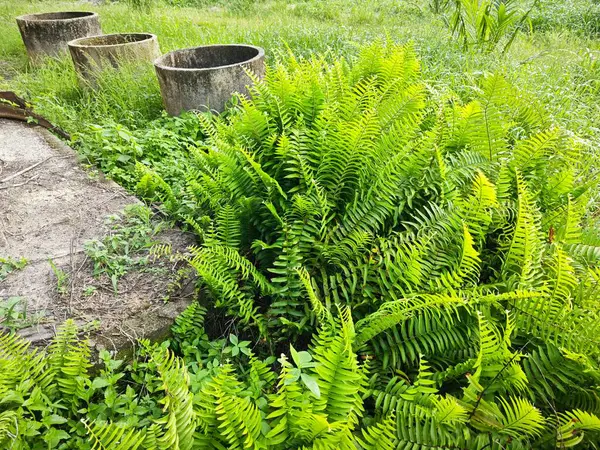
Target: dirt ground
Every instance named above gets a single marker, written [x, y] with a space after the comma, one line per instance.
[49, 207]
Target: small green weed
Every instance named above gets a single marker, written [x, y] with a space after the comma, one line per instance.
[303, 361]
[8, 265]
[88, 291]
[62, 278]
[116, 148]
[237, 346]
[14, 316]
[121, 250]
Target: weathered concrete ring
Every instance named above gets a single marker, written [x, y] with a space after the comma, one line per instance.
[94, 53]
[47, 34]
[206, 77]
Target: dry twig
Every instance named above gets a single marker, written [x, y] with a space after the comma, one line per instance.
[27, 169]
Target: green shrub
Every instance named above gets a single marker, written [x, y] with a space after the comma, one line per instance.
[120, 251]
[115, 148]
[323, 398]
[450, 227]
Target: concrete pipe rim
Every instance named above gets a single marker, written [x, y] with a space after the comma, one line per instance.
[57, 16]
[81, 42]
[159, 62]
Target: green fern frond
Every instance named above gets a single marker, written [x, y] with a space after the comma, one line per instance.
[113, 437]
[240, 421]
[289, 407]
[534, 150]
[432, 306]
[151, 185]
[575, 427]
[562, 280]
[560, 381]
[318, 308]
[496, 358]
[69, 360]
[570, 231]
[466, 272]
[524, 251]
[180, 421]
[218, 268]
[380, 436]
[190, 323]
[9, 428]
[402, 345]
[227, 227]
[161, 250]
[513, 418]
[227, 417]
[339, 378]
[329, 436]
[476, 210]
[520, 418]
[483, 128]
[449, 411]
[19, 363]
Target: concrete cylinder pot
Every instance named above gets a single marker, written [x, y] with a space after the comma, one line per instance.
[205, 78]
[47, 34]
[95, 53]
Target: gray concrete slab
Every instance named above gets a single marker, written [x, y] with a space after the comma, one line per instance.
[49, 207]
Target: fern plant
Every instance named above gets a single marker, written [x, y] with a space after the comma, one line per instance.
[355, 175]
[356, 405]
[430, 216]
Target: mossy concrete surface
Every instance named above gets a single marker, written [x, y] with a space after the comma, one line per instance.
[93, 54]
[205, 78]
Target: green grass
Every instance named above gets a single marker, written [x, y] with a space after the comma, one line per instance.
[555, 59]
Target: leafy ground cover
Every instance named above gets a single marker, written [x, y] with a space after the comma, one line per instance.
[410, 228]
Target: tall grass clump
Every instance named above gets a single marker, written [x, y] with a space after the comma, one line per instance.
[128, 95]
[141, 5]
